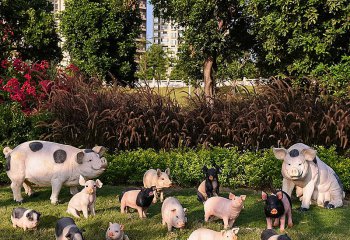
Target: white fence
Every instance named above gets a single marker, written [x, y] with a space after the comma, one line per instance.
[180, 84]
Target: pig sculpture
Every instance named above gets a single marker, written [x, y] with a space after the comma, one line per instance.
[173, 214]
[226, 209]
[51, 164]
[210, 186]
[313, 179]
[278, 206]
[25, 218]
[270, 234]
[84, 200]
[207, 234]
[159, 179]
[137, 199]
[115, 231]
[67, 230]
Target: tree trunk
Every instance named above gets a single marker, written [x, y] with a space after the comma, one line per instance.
[208, 80]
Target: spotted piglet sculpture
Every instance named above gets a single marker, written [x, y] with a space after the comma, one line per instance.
[270, 234]
[67, 230]
[25, 218]
[210, 186]
[51, 164]
[138, 199]
[115, 231]
[226, 209]
[85, 200]
[159, 179]
[173, 214]
[207, 234]
[278, 206]
[313, 179]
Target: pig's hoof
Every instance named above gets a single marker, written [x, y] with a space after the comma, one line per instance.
[19, 201]
[301, 209]
[330, 206]
[290, 225]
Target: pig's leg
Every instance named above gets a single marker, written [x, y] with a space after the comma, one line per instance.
[276, 222]
[56, 188]
[283, 222]
[92, 209]
[140, 211]
[269, 223]
[206, 216]
[169, 227]
[336, 199]
[226, 225]
[122, 206]
[125, 237]
[307, 194]
[230, 223]
[288, 186]
[28, 188]
[290, 220]
[163, 222]
[155, 196]
[144, 212]
[85, 211]
[16, 190]
[73, 190]
[73, 212]
[161, 196]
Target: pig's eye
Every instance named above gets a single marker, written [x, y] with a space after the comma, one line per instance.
[289, 164]
[86, 185]
[90, 160]
[177, 216]
[162, 178]
[299, 164]
[116, 231]
[109, 229]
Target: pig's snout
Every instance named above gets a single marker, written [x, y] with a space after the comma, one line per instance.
[110, 234]
[274, 211]
[294, 172]
[90, 190]
[211, 178]
[181, 224]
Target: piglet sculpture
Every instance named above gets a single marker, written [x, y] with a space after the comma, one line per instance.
[115, 231]
[51, 164]
[85, 200]
[159, 179]
[207, 234]
[277, 206]
[173, 214]
[270, 234]
[137, 199]
[313, 179]
[210, 186]
[67, 230]
[25, 218]
[226, 209]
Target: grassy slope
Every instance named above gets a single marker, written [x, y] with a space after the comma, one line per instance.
[317, 224]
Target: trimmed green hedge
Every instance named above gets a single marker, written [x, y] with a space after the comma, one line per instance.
[249, 169]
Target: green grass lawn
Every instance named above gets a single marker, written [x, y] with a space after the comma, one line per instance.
[317, 223]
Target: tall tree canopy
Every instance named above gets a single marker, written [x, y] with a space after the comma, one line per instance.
[28, 29]
[212, 28]
[295, 37]
[100, 36]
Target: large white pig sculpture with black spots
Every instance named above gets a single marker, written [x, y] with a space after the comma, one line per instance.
[313, 179]
[44, 163]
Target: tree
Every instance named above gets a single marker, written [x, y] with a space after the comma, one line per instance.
[29, 28]
[295, 37]
[212, 28]
[153, 63]
[101, 37]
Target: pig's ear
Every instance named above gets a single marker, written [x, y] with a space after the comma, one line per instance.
[280, 153]
[279, 195]
[235, 230]
[80, 157]
[99, 150]
[231, 196]
[167, 171]
[205, 169]
[159, 172]
[110, 224]
[185, 210]
[223, 232]
[82, 180]
[243, 197]
[309, 154]
[263, 195]
[99, 183]
[68, 235]
[121, 227]
[218, 169]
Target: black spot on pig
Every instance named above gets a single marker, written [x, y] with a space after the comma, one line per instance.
[59, 156]
[72, 232]
[294, 153]
[315, 160]
[18, 212]
[8, 163]
[35, 146]
[88, 150]
[339, 181]
[61, 224]
[268, 233]
[145, 197]
[30, 215]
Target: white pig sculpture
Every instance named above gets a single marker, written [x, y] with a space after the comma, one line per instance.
[173, 214]
[312, 178]
[159, 179]
[207, 234]
[51, 164]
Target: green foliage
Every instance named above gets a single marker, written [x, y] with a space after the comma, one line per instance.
[100, 36]
[295, 37]
[153, 63]
[32, 27]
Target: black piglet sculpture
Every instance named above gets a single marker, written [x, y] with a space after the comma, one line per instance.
[210, 186]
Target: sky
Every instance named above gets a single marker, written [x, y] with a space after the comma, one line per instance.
[149, 27]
